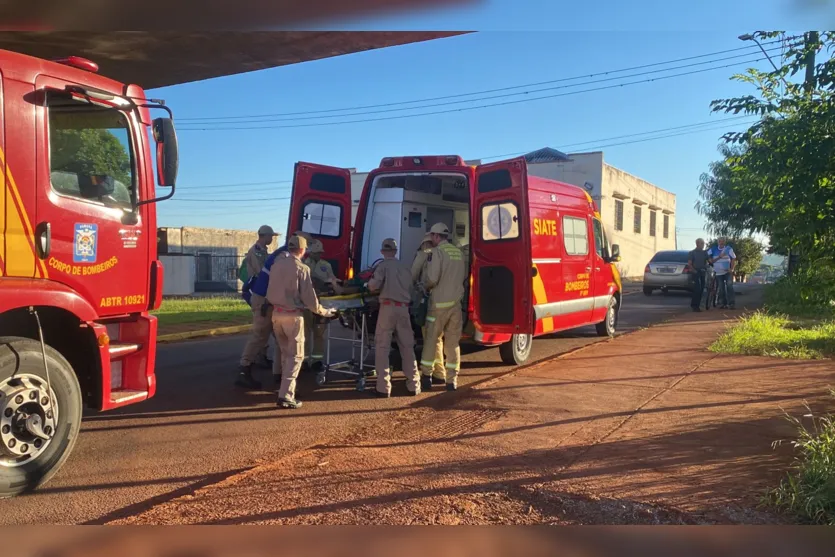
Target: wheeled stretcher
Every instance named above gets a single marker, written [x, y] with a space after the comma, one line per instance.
[358, 314]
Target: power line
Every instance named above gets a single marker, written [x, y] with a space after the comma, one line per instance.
[506, 95]
[751, 48]
[465, 109]
[599, 143]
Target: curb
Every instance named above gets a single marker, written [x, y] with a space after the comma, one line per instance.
[187, 335]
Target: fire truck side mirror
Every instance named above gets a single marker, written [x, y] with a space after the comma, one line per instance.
[615, 257]
[168, 157]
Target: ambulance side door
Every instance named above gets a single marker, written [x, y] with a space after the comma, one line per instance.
[501, 249]
[320, 205]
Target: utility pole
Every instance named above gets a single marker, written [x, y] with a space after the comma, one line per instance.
[811, 38]
[809, 83]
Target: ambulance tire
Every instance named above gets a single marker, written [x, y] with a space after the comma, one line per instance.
[22, 358]
[606, 328]
[517, 351]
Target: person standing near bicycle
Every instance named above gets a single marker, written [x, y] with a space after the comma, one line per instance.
[723, 258]
[698, 262]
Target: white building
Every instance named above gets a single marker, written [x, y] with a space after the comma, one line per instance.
[638, 216]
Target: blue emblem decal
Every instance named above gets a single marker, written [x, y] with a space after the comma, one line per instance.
[85, 243]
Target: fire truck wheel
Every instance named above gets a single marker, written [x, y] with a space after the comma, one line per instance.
[606, 328]
[39, 416]
[517, 351]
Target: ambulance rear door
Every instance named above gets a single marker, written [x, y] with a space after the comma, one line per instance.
[320, 205]
[501, 249]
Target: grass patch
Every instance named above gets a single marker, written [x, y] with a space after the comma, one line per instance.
[194, 310]
[764, 334]
[808, 490]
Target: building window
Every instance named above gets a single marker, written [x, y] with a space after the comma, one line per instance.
[575, 235]
[637, 225]
[204, 267]
[618, 214]
[652, 218]
[666, 226]
[499, 221]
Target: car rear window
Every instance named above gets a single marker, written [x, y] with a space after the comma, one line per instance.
[671, 257]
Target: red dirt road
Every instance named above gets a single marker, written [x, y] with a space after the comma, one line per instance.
[648, 428]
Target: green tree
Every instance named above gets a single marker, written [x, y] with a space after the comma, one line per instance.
[778, 176]
[90, 151]
[749, 254]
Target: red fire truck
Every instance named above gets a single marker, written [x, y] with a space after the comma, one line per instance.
[78, 258]
[539, 258]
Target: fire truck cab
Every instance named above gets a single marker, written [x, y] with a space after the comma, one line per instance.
[78, 257]
[539, 258]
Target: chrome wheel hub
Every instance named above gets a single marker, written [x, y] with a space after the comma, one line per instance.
[521, 343]
[28, 418]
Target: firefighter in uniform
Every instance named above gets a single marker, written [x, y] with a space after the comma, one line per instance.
[392, 278]
[254, 262]
[322, 274]
[291, 292]
[445, 276]
[419, 278]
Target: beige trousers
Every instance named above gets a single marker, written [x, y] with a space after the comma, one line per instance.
[393, 319]
[444, 322]
[289, 334]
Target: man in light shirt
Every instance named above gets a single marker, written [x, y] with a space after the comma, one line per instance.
[723, 258]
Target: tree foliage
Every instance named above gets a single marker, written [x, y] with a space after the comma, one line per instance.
[90, 152]
[778, 176]
[749, 253]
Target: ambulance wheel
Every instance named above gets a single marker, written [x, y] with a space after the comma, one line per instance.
[38, 423]
[606, 328]
[517, 351]
[321, 378]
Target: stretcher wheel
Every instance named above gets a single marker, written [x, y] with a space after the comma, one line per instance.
[321, 378]
[361, 384]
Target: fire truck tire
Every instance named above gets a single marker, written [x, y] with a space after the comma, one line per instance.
[606, 328]
[517, 351]
[22, 376]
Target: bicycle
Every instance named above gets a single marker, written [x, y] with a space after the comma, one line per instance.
[712, 290]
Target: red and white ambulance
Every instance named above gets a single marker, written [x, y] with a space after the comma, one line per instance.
[539, 258]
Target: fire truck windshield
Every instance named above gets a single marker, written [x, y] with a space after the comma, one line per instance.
[91, 152]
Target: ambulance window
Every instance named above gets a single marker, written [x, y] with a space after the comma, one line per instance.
[499, 221]
[330, 183]
[599, 238]
[494, 181]
[90, 152]
[415, 220]
[575, 236]
[322, 219]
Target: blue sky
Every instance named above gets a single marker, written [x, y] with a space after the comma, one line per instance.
[560, 41]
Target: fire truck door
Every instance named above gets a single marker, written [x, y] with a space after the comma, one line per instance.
[501, 249]
[321, 206]
[90, 167]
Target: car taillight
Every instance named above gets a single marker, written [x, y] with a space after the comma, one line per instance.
[646, 269]
[686, 269]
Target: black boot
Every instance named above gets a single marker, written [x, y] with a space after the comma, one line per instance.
[246, 380]
[425, 382]
[438, 381]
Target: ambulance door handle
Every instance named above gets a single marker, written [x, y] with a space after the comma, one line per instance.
[588, 269]
[597, 268]
[43, 232]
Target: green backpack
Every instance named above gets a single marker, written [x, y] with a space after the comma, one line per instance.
[243, 276]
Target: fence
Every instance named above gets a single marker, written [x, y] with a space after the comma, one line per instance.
[207, 272]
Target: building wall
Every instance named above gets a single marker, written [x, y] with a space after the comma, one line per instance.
[217, 254]
[179, 275]
[636, 248]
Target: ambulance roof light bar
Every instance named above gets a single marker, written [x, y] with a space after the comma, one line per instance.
[80, 63]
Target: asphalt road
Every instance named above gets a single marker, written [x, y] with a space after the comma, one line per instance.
[199, 428]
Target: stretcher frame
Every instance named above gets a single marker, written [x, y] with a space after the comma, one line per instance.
[359, 308]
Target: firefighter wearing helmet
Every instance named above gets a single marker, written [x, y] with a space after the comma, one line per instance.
[446, 272]
[321, 272]
[419, 278]
[393, 280]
